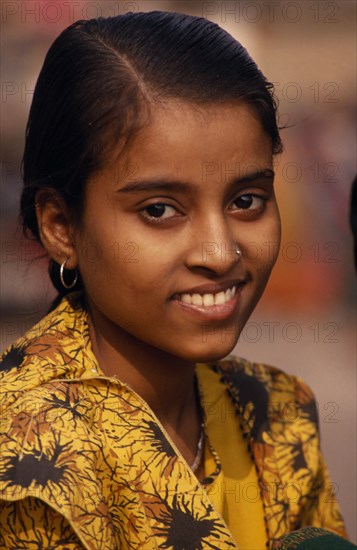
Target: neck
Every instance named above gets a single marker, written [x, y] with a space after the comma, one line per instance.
[165, 382]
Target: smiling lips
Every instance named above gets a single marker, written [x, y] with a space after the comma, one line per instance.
[208, 299]
[212, 302]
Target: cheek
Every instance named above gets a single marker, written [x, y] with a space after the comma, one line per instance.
[115, 263]
[98, 256]
[262, 252]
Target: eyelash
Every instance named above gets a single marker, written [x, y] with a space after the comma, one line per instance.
[252, 196]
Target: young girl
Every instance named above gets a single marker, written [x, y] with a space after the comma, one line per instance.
[148, 170]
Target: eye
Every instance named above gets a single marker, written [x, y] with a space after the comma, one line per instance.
[158, 211]
[249, 202]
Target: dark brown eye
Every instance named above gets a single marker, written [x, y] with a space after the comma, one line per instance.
[156, 210]
[249, 202]
[244, 201]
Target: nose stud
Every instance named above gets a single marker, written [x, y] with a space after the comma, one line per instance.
[238, 252]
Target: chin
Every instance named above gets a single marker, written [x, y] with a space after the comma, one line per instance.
[207, 353]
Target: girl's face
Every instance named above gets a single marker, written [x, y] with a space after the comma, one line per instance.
[157, 241]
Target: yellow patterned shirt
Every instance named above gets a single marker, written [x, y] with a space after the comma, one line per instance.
[85, 463]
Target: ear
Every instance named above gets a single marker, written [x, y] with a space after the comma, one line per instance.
[55, 227]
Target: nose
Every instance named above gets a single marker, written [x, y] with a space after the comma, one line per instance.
[214, 247]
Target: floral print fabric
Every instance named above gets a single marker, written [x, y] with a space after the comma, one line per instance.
[85, 463]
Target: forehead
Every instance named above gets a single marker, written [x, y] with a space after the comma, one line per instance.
[206, 131]
[185, 141]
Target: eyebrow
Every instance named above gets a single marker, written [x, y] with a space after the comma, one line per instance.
[167, 184]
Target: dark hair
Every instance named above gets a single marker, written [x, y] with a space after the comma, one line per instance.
[99, 78]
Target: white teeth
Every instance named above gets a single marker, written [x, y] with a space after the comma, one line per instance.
[186, 298]
[219, 299]
[197, 300]
[209, 299]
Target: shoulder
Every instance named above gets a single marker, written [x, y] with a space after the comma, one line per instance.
[45, 409]
[56, 348]
[46, 416]
[272, 396]
[264, 378]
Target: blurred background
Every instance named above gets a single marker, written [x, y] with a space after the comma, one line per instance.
[306, 321]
